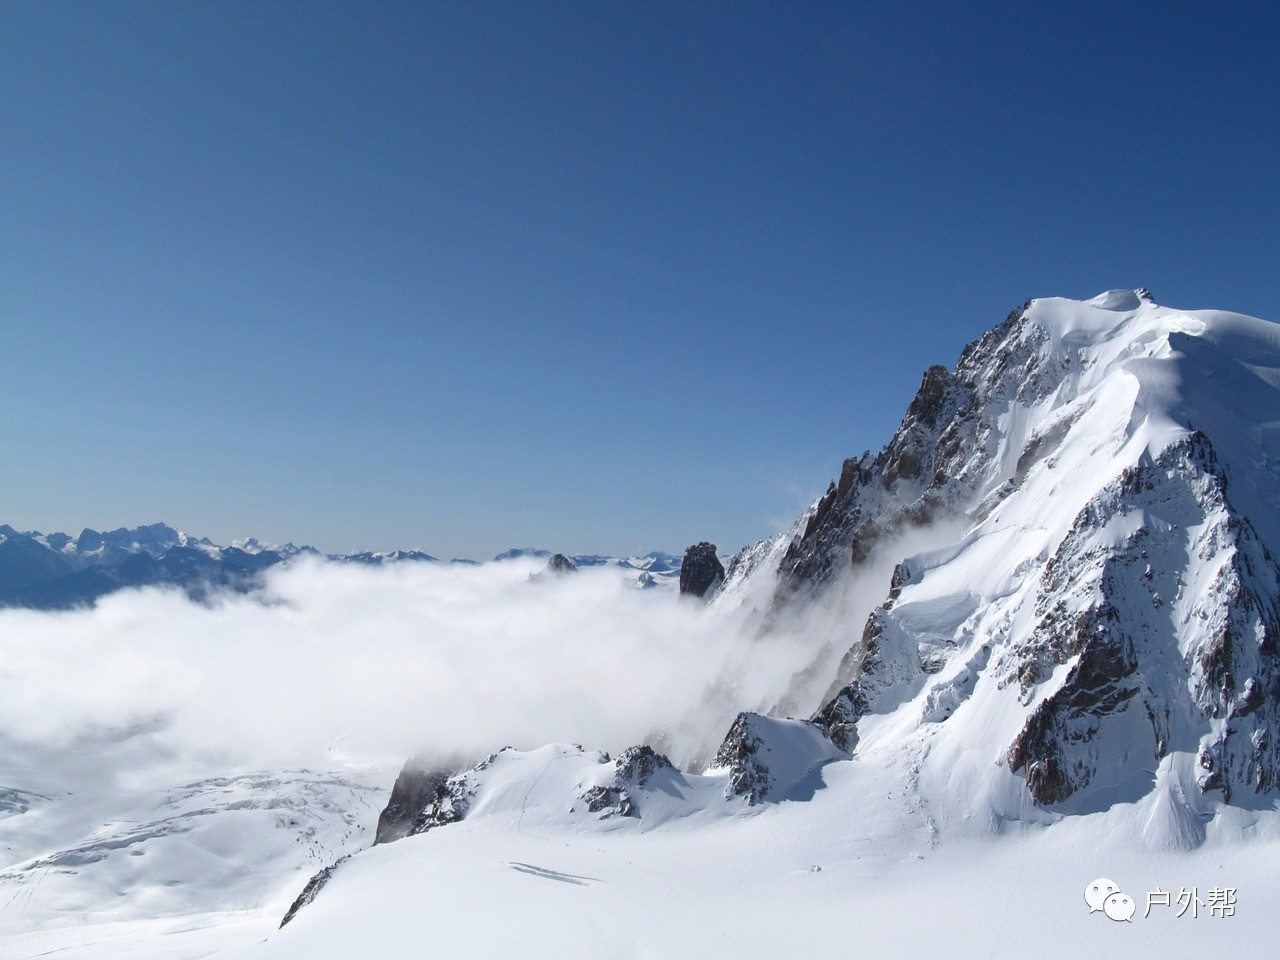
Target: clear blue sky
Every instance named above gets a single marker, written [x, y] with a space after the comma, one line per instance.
[590, 276]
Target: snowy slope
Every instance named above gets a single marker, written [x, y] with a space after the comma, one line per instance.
[531, 872]
[112, 843]
[1107, 622]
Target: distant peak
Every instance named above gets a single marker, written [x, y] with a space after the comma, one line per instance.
[519, 553]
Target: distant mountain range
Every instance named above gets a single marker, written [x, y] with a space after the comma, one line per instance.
[56, 571]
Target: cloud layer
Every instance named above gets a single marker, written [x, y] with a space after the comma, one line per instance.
[332, 660]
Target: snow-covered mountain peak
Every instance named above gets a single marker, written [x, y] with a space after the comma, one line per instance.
[1117, 380]
[1080, 520]
[1120, 326]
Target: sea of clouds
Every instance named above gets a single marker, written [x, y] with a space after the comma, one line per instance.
[330, 662]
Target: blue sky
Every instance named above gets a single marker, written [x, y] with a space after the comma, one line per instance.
[591, 276]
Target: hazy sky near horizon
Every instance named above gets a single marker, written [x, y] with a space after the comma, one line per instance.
[597, 277]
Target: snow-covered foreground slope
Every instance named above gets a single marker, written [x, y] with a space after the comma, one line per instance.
[852, 866]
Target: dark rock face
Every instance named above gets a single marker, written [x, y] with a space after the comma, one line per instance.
[846, 705]
[934, 462]
[560, 564]
[702, 572]
[840, 716]
[312, 889]
[1047, 748]
[416, 789]
[453, 800]
[748, 775]
[454, 797]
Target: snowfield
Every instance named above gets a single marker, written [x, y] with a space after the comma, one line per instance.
[858, 867]
[859, 863]
[115, 847]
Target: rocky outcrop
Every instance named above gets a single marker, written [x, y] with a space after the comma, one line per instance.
[452, 802]
[454, 797]
[839, 716]
[634, 769]
[313, 888]
[739, 753]
[416, 789]
[768, 758]
[701, 573]
[560, 564]
[1054, 749]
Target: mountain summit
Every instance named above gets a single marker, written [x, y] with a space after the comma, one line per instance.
[1093, 615]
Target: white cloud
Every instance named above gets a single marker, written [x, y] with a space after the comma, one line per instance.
[380, 662]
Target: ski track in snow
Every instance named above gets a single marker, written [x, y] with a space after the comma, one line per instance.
[552, 874]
